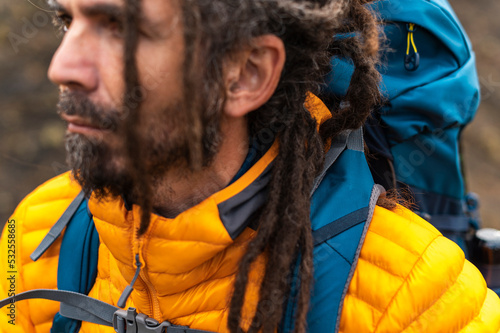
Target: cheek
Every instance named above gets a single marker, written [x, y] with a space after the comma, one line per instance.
[162, 88]
[161, 79]
[160, 65]
[162, 123]
[111, 75]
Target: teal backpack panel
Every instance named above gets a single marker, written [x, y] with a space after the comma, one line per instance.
[77, 267]
[333, 261]
[339, 182]
[348, 187]
[343, 197]
[418, 127]
[428, 162]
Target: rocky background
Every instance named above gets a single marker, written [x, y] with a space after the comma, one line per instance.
[31, 133]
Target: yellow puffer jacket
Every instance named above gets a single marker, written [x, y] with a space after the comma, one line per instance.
[409, 277]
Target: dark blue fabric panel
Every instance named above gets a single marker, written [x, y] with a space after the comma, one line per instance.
[374, 132]
[345, 189]
[342, 243]
[77, 267]
[236, 212]
[436, 204]
[331, 270]
[431, 162]
[330, 274]
[347, 178]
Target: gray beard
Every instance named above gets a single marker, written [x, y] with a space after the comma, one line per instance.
[93, 169]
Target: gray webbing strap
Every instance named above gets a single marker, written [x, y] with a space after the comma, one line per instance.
[57, 228]
[79, 305]
[82, 313]
[84, 308]
[350, 139]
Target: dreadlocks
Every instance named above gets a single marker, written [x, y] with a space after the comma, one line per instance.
[132, 102]
[214, 31]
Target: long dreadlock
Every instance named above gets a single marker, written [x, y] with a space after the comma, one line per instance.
[132, 104]
[214, 31]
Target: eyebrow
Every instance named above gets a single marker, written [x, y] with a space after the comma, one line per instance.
[93, 10]
[103, 9]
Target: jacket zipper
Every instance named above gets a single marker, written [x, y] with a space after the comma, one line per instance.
[150, 290]
[153, 297]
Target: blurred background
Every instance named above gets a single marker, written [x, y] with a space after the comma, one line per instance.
[31, 134]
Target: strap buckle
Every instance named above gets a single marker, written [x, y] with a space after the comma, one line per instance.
[129, 321]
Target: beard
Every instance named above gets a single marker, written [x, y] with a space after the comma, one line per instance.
[93, 168]
[100, 163]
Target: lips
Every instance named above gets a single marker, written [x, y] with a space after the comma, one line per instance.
[81, 125]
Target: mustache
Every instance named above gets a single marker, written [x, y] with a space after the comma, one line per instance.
[78, 104]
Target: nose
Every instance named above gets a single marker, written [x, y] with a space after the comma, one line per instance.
[73, 65]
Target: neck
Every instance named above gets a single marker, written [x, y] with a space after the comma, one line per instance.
[179, 190]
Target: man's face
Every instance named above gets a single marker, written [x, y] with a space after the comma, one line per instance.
[88, 67]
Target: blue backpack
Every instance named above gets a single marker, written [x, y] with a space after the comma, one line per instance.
[431, 92]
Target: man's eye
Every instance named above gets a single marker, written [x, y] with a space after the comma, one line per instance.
[62, 21]
[114, 25]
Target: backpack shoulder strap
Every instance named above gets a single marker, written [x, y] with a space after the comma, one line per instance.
[342, 205]
[346, 222]
[77, 267]
[341, 212]
[58, 227]
[78, 255]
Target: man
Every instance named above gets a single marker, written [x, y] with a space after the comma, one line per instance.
[194, 133]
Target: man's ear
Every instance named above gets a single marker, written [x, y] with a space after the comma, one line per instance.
[252, 79]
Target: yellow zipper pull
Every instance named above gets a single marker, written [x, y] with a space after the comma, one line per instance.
[412, 60]
[128, 290]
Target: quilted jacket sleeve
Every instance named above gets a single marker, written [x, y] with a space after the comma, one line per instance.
[14, 317]
[410, 278]
[18, 273]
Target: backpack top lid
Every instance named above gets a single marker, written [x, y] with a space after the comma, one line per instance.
[443, 92]
[432, 103]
